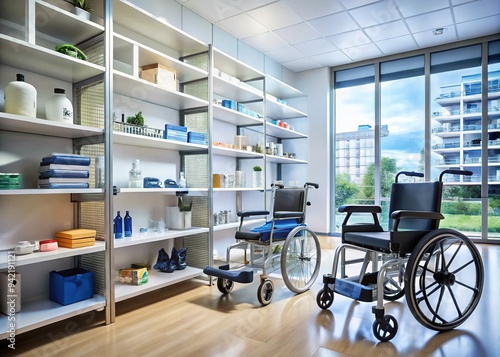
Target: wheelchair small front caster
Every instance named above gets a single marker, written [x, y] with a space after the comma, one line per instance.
[265, 292]
[225, 285]
[324, 299]
[385, 328]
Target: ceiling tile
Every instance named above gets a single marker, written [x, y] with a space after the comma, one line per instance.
[387, 30]
[266, 42]
[427, 38]
[301, 64]
[213, 11]
[397, 45]
[349, 39]
[334, 58]
[241, 26]
[412, 8]
[267, 16]
[313, 9]
[298, 33]
[476, 10]
[362, 52]
[375, 14]
[351, 4]
[248, 5]
[285, 54]
[430, 21]
[476, 28]
[334, 24]
[315, 47]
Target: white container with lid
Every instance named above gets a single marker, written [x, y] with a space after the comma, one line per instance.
[59, 107]
[20, 97]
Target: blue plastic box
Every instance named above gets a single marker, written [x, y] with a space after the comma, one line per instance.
[197, 138]
[71, 285]
[175, 132]
[231, 104]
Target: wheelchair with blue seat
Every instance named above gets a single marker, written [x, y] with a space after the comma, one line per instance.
[285, 238]
[439, 271]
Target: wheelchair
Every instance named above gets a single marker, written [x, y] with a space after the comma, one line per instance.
[285, 238]
[439, 271]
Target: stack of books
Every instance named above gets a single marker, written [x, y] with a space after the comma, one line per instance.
[76, 238]
[64, 171]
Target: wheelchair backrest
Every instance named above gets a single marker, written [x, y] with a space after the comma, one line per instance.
[416, 196]
[289, 199]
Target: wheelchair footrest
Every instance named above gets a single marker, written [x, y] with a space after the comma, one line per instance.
[239, 276]
[356, 291]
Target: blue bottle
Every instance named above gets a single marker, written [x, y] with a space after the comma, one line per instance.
[118, 226]
[127, 221]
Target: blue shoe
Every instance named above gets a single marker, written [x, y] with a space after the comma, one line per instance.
[179, 258]
[162, 258]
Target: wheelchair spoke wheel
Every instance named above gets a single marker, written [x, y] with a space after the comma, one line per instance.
[324, 299]
[444, 279]
[300, 259]
[265, 292]
[394, 283]
[385, 329]
[225, 285]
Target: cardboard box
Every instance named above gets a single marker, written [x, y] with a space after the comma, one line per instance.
[71, 285]
[175, 132]
[133, 276]
[159, 74]
[218, 180]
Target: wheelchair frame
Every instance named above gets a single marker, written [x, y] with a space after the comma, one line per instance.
[423, 269]
[300, 255]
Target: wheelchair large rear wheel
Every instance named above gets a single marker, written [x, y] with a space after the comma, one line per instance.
[444, 279]
[300, 259]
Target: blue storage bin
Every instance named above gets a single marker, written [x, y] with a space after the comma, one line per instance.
[71, 285]
[231, 104]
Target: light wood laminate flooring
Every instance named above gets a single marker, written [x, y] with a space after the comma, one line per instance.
[194, 319]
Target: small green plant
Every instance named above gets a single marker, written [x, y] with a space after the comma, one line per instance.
[136, 119]
[82, 4]
[182, 206]
[71, 50]
[257, 168]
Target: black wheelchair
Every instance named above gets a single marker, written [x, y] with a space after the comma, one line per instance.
[283, 242]
[439, 271]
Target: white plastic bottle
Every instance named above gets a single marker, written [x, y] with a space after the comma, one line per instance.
[20, 97]
[135, 175]
[59, 107]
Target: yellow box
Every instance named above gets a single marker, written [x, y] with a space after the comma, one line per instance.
[133, 276]
[218, 180]
[159, 74]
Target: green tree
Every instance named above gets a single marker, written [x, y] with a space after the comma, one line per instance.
[344, 189]
[388, 171]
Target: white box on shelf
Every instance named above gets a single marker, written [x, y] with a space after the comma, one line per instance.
[159, 74]
[177, 219]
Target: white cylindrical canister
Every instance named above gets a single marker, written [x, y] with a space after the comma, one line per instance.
[20, 98]
[59, 107]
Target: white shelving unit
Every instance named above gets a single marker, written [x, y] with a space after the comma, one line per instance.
[27, 43]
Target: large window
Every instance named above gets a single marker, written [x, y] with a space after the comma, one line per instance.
[354, 136]
[423, 121]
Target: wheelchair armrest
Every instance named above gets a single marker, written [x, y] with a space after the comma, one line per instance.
[360, 209]
[405, 214]
[251, 213]
[288, 214]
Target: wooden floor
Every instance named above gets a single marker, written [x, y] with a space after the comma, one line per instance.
[193, 319]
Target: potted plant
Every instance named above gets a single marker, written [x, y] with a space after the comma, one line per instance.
[258, 177]
[179, 217]
[138, 121]
[82, 8]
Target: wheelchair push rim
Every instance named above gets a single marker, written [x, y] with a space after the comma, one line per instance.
[444, 279]
[300, 259]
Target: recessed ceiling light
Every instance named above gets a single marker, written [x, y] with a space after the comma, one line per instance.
[439, 31]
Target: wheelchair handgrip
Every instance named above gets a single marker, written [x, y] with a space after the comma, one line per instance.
[455, 171]
[312, 184]
[360, 209]
[409, 173]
